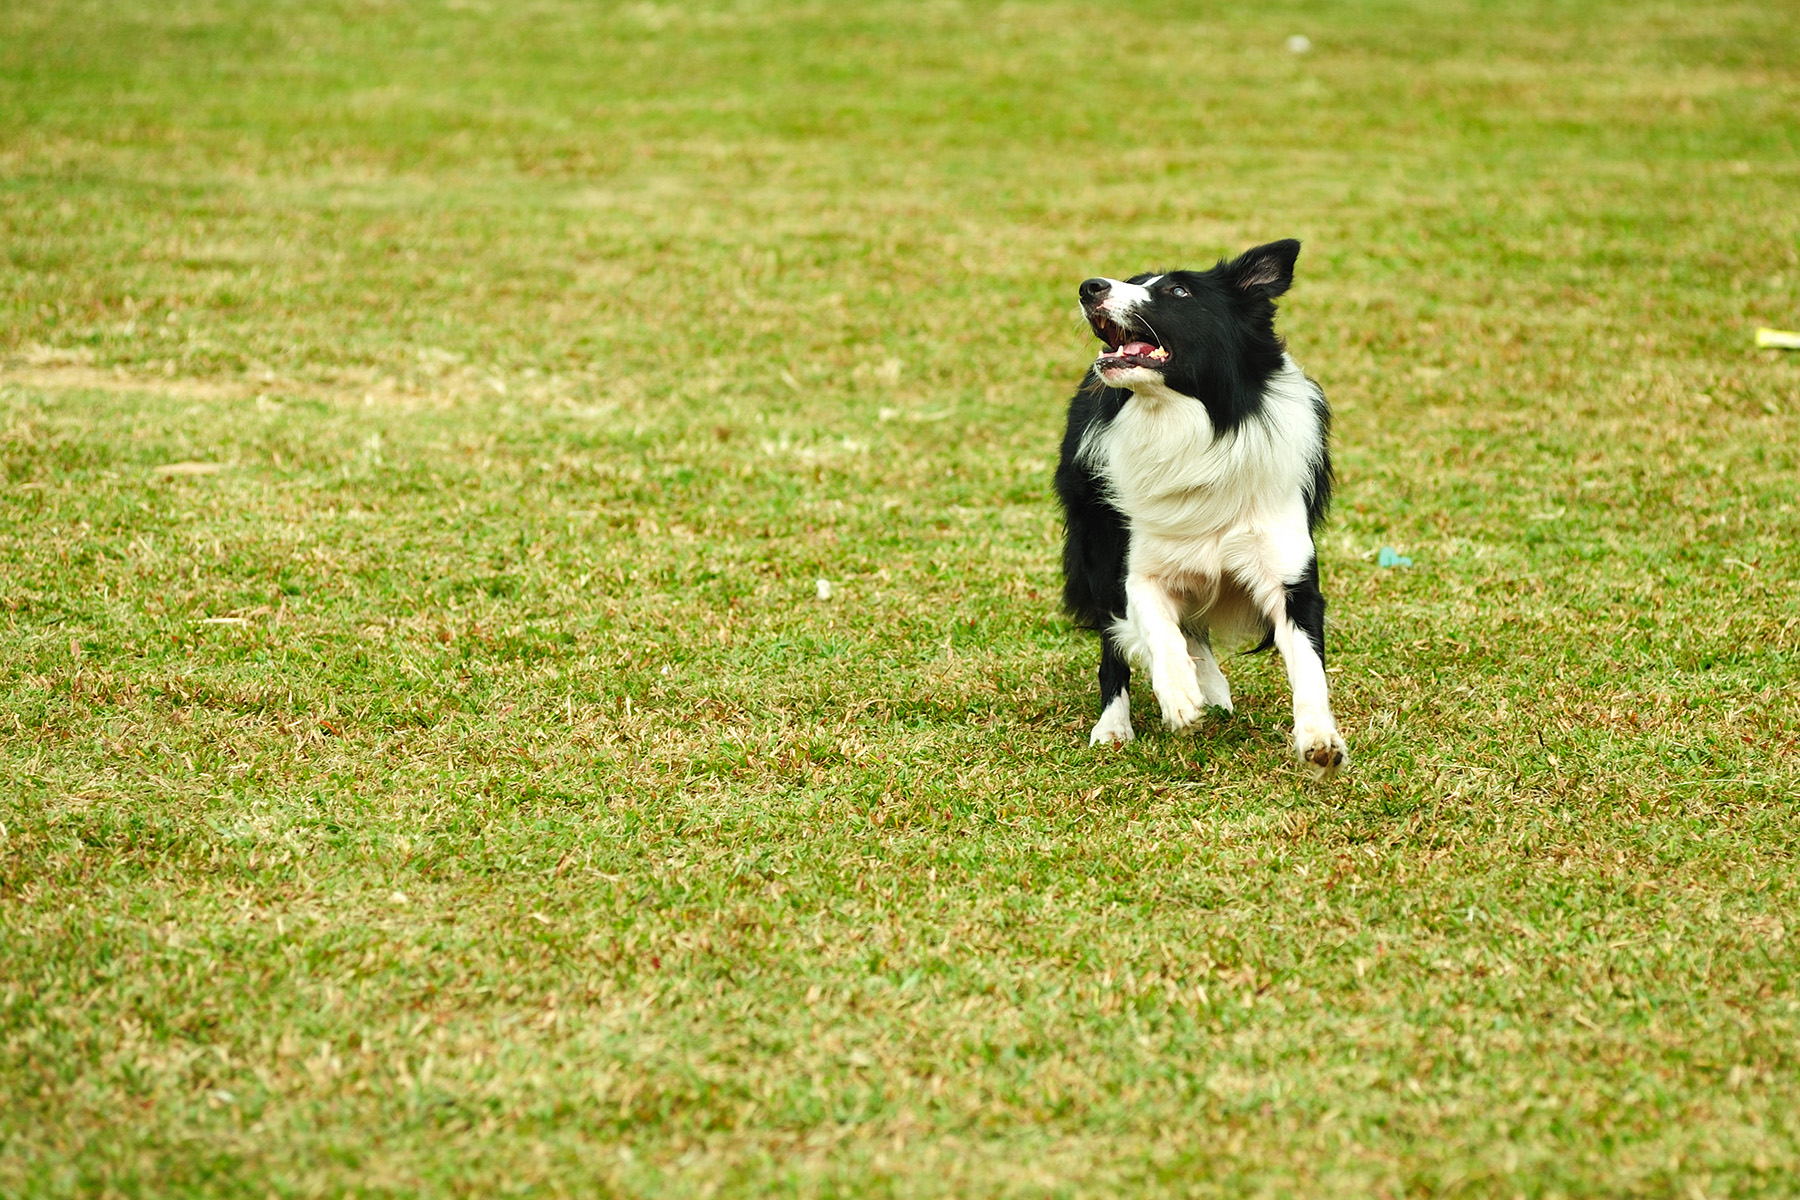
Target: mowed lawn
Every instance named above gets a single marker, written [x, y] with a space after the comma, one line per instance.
[429, 765]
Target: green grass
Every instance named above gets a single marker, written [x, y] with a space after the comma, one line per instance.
[463, 791]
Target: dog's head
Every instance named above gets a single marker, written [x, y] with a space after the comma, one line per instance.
[1192, 331]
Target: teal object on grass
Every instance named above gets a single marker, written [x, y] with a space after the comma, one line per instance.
[1387, 558]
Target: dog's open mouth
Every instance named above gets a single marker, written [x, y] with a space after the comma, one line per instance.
[1127, 347]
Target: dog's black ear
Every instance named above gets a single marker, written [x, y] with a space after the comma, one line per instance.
[1266, 270]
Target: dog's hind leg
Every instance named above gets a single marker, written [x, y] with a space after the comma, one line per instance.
[1213, 687]
[1114, 727]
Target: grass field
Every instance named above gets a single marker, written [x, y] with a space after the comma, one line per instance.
[427, 766]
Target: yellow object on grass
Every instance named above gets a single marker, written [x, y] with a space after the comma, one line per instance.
[1778, 339]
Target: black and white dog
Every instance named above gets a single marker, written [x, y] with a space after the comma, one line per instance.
[1193, 473]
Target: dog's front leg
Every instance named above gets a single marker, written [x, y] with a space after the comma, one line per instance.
[1299, 621]
[1155, 618]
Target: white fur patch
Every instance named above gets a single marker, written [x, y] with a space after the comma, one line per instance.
[1130, 640]
[1122, 298]
[1114, 726]
[1130, 376]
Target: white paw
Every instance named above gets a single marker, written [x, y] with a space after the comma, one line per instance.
[1319, 746]
[1182, 702]
[1114, 727]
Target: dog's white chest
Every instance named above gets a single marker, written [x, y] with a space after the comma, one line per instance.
[1169, 473]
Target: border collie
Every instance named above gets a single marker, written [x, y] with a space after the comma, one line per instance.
[1193, 473]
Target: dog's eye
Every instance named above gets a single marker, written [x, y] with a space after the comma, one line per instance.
[1179, 291]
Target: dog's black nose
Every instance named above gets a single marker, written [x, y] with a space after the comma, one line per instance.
[1093, 289]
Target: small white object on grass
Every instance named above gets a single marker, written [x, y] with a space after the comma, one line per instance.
[1778, 339]
[1299, 44]
[824, 589]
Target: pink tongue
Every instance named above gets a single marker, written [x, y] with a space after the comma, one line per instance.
[1136, 349]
